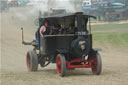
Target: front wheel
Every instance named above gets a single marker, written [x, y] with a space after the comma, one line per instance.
[61, 65]
[97, 64]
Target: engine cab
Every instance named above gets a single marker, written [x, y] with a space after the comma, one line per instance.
[70, 35]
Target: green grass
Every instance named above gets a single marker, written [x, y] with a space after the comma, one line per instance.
[110, 27]
[112, 38]
[112, 35]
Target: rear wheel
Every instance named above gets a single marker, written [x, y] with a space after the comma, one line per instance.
[97, 64]
[61, 65]
[32, 60]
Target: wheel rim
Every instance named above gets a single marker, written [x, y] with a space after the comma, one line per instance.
[59, 65]
[28, 62]
[94, 65]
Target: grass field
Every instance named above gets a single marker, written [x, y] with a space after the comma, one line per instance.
[114, 35]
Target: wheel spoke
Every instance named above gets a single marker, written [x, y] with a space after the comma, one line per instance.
[96, 65]
[61, 65]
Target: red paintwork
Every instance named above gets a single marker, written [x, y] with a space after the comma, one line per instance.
[69, 66]
[59, 65]
[94, 65]
[28, 63]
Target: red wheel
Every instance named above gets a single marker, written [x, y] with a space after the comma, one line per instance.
[97, 64]
[28, 61]
[32, 61]
[61, 65]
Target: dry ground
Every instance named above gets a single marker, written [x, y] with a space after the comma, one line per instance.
[13, 65]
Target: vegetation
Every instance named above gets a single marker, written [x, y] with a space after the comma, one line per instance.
[110, 35]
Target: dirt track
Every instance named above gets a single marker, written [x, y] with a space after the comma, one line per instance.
[114, 71]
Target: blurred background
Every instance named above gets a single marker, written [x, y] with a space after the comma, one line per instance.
[105, 10]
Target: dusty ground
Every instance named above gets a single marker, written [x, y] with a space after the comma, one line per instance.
[13, 71]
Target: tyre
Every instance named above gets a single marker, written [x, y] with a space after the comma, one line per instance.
[97, 64]
[32, 60]
[61, 65]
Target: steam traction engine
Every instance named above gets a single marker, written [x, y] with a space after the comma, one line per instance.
[67, 50]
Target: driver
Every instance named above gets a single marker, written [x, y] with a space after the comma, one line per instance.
[71, 29]
[45, 30]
